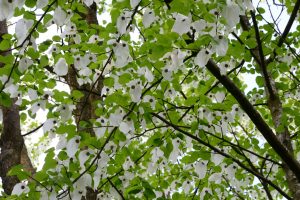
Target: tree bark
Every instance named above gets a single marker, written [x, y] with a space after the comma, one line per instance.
[13, 149]
[274, 102]
[85, 108]
[11, 146]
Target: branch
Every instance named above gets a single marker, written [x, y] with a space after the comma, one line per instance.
[212, 147]
[113, 185]
[10, 73]
[256, 118]
[33, 28]
[262, 58]
[242, 148]
[289, 24]
[34, 130]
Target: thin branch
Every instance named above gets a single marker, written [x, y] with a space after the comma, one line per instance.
[113, 185]
[262, 58]
[242, 148]
[33, 28]
[212, 147]
[218, 82]
[10, 74]
[232, 188]
[289, 24]
[256, 118]
[34, 130]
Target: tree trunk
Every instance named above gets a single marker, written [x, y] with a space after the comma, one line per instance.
[276, 110]
[85, 108]
[13, 149]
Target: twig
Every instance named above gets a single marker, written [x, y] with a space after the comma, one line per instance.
[34, 130]
[113, 185]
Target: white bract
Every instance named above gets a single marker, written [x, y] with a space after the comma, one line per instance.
[177, 58]
[202, 57]
[224, 68]
[84, 156]
[88, 2]
[12, 90]
[37, 106]
[101, 127]
[220, 96]
[151, 100]
[167, 72]
[80, 187]
[176, 151]
[94, 39]
[144, 71]
[49, 124]
[116, 118]
[205, 191]
[66, 111]
[187, 185]
[216, 158]
[20, 188]
[126, 126]
[148, 17]
[73, 146]
[156, 154]
[126, 178]
[59, 16]
[61, 67]
[24, 63]
[135, 90]
[7, 8]
[134, 3]
[123, 22]
[128, 163]
[171, 93]
[222, 45]
[199, 25]
[22, 28]
[288, 58]
[201, 169]
[122, 54]
[41, 3]
[231, 13]
[182, 23]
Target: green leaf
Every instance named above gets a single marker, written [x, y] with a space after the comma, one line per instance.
[40, 175]
[124, 78]
[56, 38]
[149, 193]
[50, 162]
[30, 3]
[5, 100]
[259, 81]
[33, 54]
[109, 82]
[19, 171]
[4, 45]
[134, 189]
[77, 94]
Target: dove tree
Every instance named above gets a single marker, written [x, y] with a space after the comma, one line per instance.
[150, 99]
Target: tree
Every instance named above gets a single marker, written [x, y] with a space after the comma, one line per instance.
[154, 103]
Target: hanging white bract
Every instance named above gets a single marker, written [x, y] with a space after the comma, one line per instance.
[182, 23]
[61, 67]
[148, 17]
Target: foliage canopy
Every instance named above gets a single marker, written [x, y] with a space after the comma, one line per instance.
[147, 98]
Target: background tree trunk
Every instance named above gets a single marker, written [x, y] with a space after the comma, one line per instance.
[84, 110]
